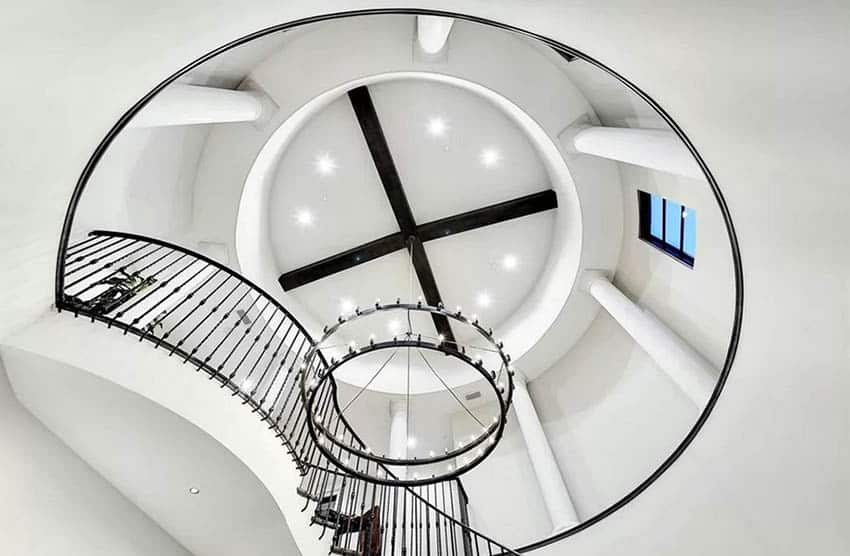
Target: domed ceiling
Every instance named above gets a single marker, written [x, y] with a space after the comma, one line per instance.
[454, 153]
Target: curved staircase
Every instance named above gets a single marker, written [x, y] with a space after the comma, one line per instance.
[223, 325]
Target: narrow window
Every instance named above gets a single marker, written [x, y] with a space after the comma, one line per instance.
[668, 225]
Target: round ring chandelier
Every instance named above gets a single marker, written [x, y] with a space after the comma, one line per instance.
[352, 455]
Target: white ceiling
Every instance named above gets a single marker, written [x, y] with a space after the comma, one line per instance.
[154, 457]
[442, 176]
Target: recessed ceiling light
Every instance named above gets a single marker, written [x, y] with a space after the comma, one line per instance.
[490, 157]
[304, 217]
[437, 127]
[509, 262]
[411, 441]
[194, 490]
[325, 164]
[483, 299]
[346, 306]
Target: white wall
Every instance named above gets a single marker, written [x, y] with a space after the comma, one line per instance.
[611, 416]
[697, 303]
[152, 457]
[144, 183]
[54, 503]
[504, 498]
[150, 373]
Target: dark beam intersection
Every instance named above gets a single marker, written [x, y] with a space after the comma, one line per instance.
[411, 236]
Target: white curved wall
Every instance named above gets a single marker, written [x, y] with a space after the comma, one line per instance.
[137, 367]
[152, 457]
[54, 503]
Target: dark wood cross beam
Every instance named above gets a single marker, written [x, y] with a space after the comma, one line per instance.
[411, 236]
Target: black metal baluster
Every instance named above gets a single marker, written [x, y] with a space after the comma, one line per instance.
[83, 245]
[247, 332]
[452, 528]
[266, 347]
[107, 266]
[191, 312]
[159, 288]
[277, 372]
[149, 278]
[383, 513]
[427, 531]
[256, 340]
[188, 296]
[275, 353]
[395, 519]
[237, 321]
[97, 255]
[200, 363]
[292, 389]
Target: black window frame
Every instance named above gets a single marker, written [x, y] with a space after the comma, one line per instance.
[645, 226]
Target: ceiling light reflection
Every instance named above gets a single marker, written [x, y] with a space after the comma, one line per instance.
[325, 164]
[490, 157]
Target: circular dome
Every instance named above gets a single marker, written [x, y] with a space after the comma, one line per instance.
[600, 394]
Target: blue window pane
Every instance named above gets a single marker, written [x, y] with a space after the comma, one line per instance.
[674, 224]
[655, 216]
[690, 246]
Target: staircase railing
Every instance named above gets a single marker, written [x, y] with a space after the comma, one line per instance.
[221, 323]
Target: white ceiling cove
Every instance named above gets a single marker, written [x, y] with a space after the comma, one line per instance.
[442, 176]
[153, 457]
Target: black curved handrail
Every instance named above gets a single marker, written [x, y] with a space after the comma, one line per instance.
[569, 53]
[158, 291]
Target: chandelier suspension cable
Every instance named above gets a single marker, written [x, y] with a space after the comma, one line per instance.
[374, 376]
[447, 387]
[467, 346]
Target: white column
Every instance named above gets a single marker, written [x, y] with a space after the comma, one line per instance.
[432, 32]
[657, 149]
[556, 497]
[695, 376]
[398, 434]
[181, 104]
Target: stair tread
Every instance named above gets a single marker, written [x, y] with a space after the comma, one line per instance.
[344, 551]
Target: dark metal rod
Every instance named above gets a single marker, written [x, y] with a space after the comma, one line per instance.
[191, 312]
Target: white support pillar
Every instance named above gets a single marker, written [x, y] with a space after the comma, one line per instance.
[556, 497]
[691, 372]
[657, 149]
[397, 448]
[432, 32]
[181, 104]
